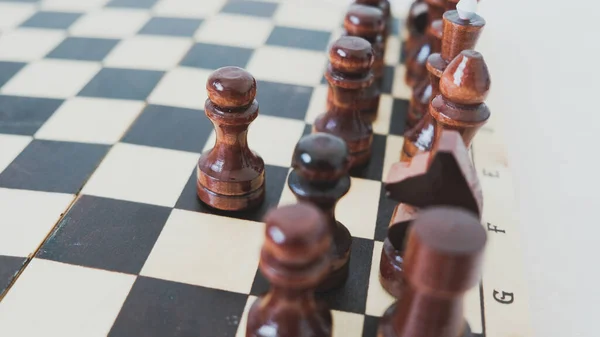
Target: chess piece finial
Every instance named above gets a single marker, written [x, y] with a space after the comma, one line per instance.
[320, 176]
[466, 80]
[445, 177]
[349, 74]
[466, 9]
[294, 258]
[443, 260]
[464, 86]
[237, 182]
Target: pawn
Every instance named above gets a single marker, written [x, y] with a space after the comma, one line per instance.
[320, 177]
[418, 50]
[231, 177]
[294, 259]
[349, 74]
[385, 7]
[443, 261]
[367, 22]
[416, 24]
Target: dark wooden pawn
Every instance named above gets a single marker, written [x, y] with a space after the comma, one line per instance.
[458, 34]
[385, 7]
[416, 24]
[349, 74]
[294, 259]
[320, 177]
[445, 177]
[418, 51]
[230, 176]
[444, 259]
[367, 22]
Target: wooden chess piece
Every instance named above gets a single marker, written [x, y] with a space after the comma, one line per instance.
[416, 24]
[418, 51]
[460, 32]
[444, 258]
[349, 74]
[445, 177]
[385, 7]
[294, 258]
[320, 177]
[231, 177]
[367, 22]
[464, 86]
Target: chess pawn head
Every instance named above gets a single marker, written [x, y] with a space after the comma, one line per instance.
[352, 55]
[294, 259]
[321, 158]
[320, 177]
[230, 175]
[384, 6]
[295, 251]
[464, 86]
[364, 21]
[443, 260]
[368, 22]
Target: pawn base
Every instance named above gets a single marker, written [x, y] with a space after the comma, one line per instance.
[342, 241]
[360, 159]
[336, 278]
[390, 270]
[386, 327]
[231, 202]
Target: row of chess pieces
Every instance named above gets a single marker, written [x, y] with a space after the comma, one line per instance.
[433, 252]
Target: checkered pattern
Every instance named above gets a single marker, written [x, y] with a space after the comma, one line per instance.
[102, 126]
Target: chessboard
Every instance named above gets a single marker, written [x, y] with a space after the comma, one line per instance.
[101, 128]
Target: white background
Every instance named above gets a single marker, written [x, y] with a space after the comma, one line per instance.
[544, 58]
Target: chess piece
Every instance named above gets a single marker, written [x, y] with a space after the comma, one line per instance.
[367, 22]
[231, 177]
[444, 257]
[385, 7]
[320, 177]
[445, 177]
[349, 74]
[416, 24]
[464, 86]
[294, 259]
[418, 51]
[459, 33]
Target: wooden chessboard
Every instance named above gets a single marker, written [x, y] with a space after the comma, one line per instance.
[101, 126]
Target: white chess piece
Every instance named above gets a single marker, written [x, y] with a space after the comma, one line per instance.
[466, 9]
